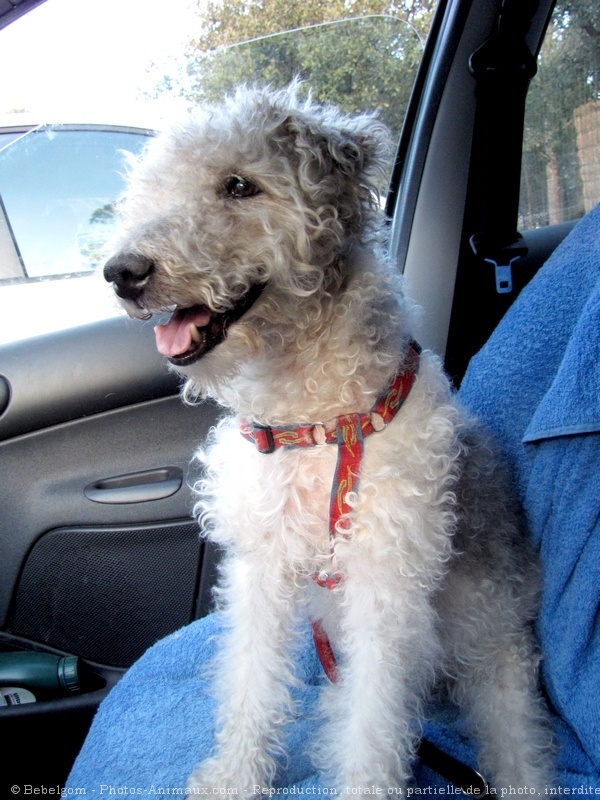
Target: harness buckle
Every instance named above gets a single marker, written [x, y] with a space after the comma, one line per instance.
[265, 442]
[319, 434]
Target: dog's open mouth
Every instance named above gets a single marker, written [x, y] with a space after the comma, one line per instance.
[192, 332]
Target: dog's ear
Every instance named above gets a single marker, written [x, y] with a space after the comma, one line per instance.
[357, 147]
[361, 146]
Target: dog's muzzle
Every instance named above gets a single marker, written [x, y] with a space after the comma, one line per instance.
[192, 331]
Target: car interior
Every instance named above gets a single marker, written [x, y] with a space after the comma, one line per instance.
[99, 554]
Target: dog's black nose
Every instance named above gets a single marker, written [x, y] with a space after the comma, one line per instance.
[129, 272]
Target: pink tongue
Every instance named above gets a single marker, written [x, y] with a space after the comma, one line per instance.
[174, 338]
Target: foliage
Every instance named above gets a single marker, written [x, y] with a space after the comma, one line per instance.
[370, 63]
[363, 64]
[226, 22]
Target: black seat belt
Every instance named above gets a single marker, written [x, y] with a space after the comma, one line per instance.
[503, 68]
[461, 775]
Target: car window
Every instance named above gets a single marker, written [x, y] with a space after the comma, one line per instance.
[367, 63]
[58, 182]
[58, 188]
[561, 153]
[9, 133]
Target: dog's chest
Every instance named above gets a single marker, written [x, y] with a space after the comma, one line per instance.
[279, 499]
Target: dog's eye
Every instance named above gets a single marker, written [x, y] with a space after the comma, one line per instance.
[235, 186]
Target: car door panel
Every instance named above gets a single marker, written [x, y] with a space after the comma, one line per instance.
[101, 421]
[81, 372]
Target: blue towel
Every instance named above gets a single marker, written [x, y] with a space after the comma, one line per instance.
[536, 384]
[158, 722]
[518, 368]
[537, 380]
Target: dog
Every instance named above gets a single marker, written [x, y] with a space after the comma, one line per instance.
[346, 484]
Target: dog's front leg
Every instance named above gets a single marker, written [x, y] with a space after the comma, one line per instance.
[385, 651]
[253, 675]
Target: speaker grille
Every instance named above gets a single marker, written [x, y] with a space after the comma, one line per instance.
[107, 594]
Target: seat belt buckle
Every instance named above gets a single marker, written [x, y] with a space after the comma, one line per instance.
[503, 272]
[501, 258]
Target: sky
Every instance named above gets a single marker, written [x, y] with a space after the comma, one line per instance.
[72, 58]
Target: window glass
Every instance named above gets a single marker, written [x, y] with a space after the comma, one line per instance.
[58, 188]
[60, 171]
[8, 134]
[362, 64]
[561, 154]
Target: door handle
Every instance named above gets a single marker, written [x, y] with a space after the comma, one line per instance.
[4, 394]
[136, 487]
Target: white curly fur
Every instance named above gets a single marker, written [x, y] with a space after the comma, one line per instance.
[438, 583]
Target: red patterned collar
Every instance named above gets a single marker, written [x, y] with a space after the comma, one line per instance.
[268, 439]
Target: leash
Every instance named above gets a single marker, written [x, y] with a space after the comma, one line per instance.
[347, 432]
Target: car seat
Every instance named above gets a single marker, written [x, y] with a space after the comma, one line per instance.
[536, 384]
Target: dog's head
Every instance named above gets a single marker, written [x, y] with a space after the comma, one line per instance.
[238, 215]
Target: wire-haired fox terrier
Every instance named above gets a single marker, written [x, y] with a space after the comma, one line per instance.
[346, 485]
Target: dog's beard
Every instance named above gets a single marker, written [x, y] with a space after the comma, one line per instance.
[192, 332]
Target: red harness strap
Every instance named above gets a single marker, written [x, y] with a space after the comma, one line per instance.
[348, 432]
